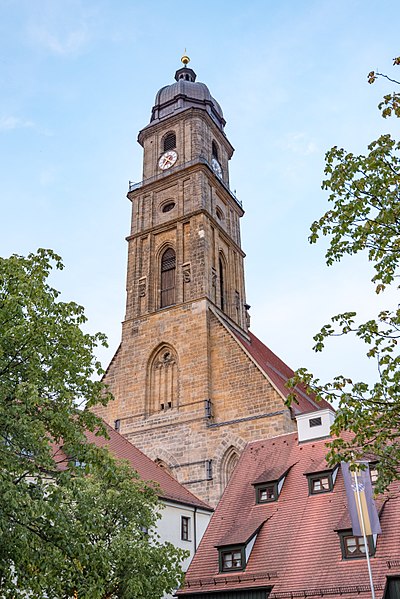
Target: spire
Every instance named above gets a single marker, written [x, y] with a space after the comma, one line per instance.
[185, 73]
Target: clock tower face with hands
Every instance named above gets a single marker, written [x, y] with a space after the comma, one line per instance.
[188, 390]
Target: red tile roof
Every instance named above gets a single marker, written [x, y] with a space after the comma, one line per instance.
[122, 449]
[297, 549]
[272, 474]
[318, 465]
[244, 531]
[279, 373]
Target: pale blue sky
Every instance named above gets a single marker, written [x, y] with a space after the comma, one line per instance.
[78, 80]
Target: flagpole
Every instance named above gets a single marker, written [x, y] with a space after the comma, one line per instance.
[366, 545]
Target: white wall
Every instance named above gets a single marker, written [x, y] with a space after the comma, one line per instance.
[307, 432]
[169, 527]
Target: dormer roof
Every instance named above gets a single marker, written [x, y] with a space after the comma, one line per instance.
[272, 475]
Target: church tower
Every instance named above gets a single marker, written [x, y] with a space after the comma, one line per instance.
[191, 384]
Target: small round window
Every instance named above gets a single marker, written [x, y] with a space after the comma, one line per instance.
[168, 207]
[219, 213]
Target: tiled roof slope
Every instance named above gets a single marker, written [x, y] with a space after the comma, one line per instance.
[297, 549]
[122, 449]
[279, 373]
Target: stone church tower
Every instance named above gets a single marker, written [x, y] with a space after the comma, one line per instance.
[191, 384]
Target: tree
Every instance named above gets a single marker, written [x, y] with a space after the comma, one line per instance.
[365, 217]
[72, 519]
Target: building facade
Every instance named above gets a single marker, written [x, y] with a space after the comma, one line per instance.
[282, 530]
[192, 385]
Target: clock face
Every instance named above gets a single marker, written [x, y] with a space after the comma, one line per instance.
[167, 160]
[216, 167]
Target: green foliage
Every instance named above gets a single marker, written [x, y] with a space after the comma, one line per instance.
[71, 517]
[365, 217]
[390, 104]
[365, 194]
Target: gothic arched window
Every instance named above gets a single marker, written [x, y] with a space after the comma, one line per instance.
[162, 387]
[228, 465]
[222, 283]
[167, 283]
[169, 141]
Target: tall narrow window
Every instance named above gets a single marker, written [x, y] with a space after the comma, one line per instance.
[222, 284]
[214, 150]
[169, 142]
[168, 268]
[185, 528]
[163, 383]
[228, 465]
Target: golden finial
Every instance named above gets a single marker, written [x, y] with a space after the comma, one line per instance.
[185, 59]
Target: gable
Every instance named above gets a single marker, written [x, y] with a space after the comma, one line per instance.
[238, 386]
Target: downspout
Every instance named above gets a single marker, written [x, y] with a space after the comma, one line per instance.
[195, 529]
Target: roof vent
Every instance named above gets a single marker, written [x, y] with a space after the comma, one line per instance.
[310, 426]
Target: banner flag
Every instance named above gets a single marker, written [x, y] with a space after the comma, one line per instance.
[368, 513]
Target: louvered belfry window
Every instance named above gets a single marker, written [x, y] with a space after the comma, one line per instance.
[214, 150]
[168, 268]
[169, 142]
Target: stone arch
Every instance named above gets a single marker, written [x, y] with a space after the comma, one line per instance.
[226, 457]
[165, 460]
[162, 380]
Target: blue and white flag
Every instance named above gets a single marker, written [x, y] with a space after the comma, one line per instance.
[364, 508]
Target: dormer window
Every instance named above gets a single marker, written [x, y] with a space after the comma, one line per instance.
[232, 559]
[354, 547]
[373, 472]
[266, 493]
[236, 547]
[269, 484]
[169, 142]
[321, 482]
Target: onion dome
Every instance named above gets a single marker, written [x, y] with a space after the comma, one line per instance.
[183, 94]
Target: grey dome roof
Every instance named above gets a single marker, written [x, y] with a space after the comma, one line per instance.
[183, 94]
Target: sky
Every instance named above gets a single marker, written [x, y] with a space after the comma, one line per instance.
[78, 80]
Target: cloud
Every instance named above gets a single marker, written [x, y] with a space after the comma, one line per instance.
[10, 123]
[7, 123]
[67, 44]
[299, 144]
